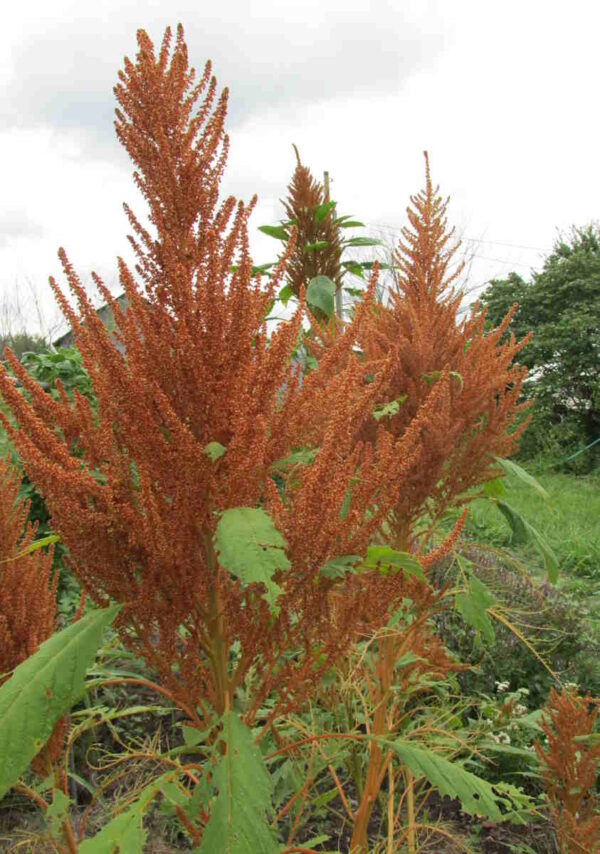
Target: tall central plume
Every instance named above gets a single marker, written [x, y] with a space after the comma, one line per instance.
[131, 487]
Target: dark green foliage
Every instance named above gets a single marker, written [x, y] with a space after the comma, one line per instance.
[64, 364]
[22, 344]
[561, 306]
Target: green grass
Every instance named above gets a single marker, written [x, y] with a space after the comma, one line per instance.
[569, 520]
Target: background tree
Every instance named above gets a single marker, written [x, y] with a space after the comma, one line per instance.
[561, 306]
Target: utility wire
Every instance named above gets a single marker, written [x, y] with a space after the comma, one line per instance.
[396, 229]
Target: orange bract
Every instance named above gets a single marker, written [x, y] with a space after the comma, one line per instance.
[569, 768]
[27, 589]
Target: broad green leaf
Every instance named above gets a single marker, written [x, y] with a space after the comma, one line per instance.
[473, 605]
[318, 244]
[192, 736]
[385, 559]
[214, 450]
[337, 567]
[238, 815]
[322, 211]
[125, 833]
[352, 223]
[320, 294]
[477, 796]
[42, 689]
[510, 467]
[495, 488]
[301, 457]
[387, 410]
[251, 548]
[285, 294]
[276, 231]
[523, 531]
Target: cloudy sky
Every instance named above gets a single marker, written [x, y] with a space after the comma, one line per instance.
[502, 94]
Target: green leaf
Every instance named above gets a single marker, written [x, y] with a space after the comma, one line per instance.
[261, 269]
[337, 567]
[352, 223]
[251, 548]
[362, 241]
[431, 378]
[42, 689]
[320, 294]
[458, 377]
[33, 547]
[125, 832]
[238, 815]
[56, 813]
[214, 450]
[494, 488]
[285, 294]
[353, 267]
[301, 457]
[473, 605]
[510, 467]
[523, 531]
[322, 211]
[387, 410]
[384, 559]
[192, 736]
[276, 231]
[477, 796]
[318, 244]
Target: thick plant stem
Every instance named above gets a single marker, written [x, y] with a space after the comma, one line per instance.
[218, 640]
[377, 763]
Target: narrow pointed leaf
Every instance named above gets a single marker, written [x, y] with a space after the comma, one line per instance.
[510, 467]
[523, 531]
[276, 231]
[322, 211]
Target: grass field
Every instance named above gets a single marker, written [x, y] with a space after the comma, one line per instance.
[569, 520]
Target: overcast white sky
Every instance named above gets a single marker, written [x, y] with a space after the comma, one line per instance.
[504, 95]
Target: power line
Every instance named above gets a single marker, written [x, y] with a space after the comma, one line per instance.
[398, 230]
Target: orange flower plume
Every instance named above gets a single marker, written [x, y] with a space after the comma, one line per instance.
[27, 588]
[130, 486]
[569, 765]
[463, 377]
[305, 194]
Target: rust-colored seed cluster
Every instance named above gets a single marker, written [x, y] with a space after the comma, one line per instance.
[310, 257]
[569, 764]
[137, 504]
[27, 589]
[449, 376]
